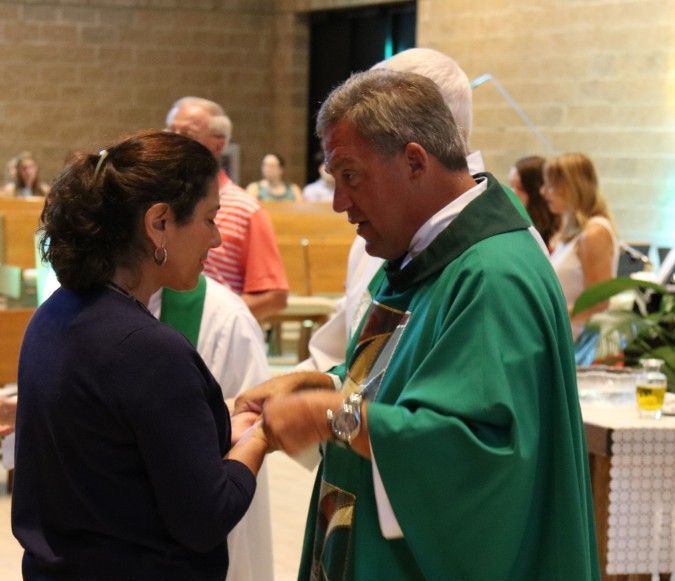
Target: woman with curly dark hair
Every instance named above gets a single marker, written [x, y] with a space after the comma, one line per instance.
[127, 464]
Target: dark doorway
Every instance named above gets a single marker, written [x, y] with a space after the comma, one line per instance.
[347, 41]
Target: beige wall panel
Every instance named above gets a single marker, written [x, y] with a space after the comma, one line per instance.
[595, 76]
[79, 74]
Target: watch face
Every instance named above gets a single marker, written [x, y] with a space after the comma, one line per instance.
[345, 423]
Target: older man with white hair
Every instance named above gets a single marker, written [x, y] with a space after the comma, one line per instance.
[248, 259]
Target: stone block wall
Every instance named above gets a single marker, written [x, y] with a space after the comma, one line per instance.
[78, 74]
[596, 76]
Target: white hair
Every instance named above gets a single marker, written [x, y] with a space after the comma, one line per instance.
[221, 125]
[446, 73]
[209, 106]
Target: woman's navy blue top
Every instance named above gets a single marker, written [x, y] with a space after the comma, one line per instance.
[120, 437]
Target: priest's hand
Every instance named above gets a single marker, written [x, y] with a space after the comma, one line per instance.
[296, 421]
[253, 399]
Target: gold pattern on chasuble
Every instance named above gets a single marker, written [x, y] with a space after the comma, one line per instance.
[332, 538]
[331, 557]
[378, 329]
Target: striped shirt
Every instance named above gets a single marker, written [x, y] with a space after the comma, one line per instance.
[248, 259]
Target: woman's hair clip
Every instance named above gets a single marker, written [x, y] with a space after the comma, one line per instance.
[101, 158]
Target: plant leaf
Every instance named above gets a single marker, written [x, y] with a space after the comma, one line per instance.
[604, 290]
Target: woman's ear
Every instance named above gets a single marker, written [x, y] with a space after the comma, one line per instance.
[417, 159]
[155, 221]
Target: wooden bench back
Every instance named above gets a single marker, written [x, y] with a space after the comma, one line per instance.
[20, 221]
[13, 323]
[308, 220]
[314, 243]
[294, 257]
[327, 265]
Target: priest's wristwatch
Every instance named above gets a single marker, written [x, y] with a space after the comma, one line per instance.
[345, 422]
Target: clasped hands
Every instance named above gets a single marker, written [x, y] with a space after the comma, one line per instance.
[290, 409]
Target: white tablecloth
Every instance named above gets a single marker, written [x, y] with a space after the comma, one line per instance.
[641, 527]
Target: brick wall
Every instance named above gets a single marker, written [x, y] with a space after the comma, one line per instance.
[80, 74]
[595, 76]
[592, 75]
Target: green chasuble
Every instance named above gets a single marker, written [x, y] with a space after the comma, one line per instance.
[473, 417]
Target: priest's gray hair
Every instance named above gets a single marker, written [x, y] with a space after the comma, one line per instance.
[391, 109]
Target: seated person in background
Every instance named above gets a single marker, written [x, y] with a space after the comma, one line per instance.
[322, 189]
[27, 179]
[585, 248]
[273, 186]
[221, 327]
[248, 259]
[10, 173]
[128, 465]
[526, 178]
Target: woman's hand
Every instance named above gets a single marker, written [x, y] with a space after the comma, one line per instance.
[242, 422]
[250, 448]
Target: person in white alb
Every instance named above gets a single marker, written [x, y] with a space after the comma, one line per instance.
[248, 259]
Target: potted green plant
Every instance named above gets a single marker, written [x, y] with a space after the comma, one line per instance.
[625, 337]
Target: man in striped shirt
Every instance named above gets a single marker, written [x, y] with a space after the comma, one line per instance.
[248, 260]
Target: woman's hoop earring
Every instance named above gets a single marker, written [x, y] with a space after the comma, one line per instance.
[160, 255]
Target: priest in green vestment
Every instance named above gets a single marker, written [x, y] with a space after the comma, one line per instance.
[453, 448]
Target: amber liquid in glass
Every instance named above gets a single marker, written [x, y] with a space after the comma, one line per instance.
[650, 397]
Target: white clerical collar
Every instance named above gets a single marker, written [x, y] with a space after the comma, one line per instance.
[441, 220]
[475, 162]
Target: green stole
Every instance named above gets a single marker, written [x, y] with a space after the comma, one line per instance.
[183, 310]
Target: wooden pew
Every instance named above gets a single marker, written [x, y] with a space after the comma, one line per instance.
[314, 244]
[327, 265]
[13, 323]
[20, 221]
[294, 256]
[309, 220]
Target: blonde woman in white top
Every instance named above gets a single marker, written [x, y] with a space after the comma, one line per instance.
[585, 249]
